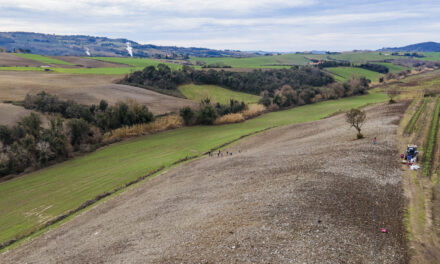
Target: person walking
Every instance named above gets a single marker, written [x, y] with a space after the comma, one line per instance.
[374, 141]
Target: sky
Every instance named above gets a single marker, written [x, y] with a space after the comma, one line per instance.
[269, 25]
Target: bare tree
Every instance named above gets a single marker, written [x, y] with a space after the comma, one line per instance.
[392, 94]
[356, 118]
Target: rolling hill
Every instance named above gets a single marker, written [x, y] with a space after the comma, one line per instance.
[80, 45]
[419, 47]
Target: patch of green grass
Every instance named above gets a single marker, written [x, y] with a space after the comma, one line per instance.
[431, 56]
[12, 68]
[104, 71]
[363, 57]
[346, 73]
[136, 62]
[431, 141]
[216, 93]
[42, 59]
[28, 201]
[275, 62]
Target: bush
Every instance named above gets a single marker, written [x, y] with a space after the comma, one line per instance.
[206, 115]
[79, 131]
[187, 115]
[359, 136]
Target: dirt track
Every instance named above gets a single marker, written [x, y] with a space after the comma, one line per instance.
[85, 89]
[298, 194]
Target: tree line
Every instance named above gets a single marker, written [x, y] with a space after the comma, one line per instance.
[103, 116]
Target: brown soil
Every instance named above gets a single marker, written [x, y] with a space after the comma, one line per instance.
[298, 194]
[11, 60]
[11, 114]
[89, 63]
[84, 89]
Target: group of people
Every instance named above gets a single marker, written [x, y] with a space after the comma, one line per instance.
[221, 153]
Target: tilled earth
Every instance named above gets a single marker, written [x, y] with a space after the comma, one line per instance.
[306, 193]
[84, 89]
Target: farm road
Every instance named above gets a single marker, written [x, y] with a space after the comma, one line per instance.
[297, 194]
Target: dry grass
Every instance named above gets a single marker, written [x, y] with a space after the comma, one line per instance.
[160, 124]
[229, 119]
[253, 111]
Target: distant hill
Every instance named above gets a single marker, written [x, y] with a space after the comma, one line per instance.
[79, 45]
[420, 47]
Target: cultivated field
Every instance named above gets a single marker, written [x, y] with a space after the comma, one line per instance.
[89, 63]
[305, 193]
[11, 114]
[346, 73]
[42, 59]
[216, 94]
[65, 186]
[7, 59]
[84, 89]
[136, 62]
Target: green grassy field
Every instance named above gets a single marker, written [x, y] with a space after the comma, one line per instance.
[216, 93]
[259, 62]
[27, 202]
[362, 57]
[345, 73]
[13, 68]
[431, 56]
[136, 62]
[103, 71]
[42, 59]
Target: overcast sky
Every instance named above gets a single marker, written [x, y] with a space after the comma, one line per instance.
[270, 25]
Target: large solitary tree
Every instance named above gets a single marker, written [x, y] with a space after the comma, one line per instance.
[356, 118]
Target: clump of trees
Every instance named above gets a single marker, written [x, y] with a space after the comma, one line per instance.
[356, 118]
[103, 116]
[28, 144]
[286, 96]
[208, 112]
[332, 63]
[253, 82]
[216, 65]
[375, 67]
[73, 127]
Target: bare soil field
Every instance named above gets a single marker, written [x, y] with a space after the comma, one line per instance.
[89, 63]
[304, 193]
[11, 60]
[11, 114]
[84, 89]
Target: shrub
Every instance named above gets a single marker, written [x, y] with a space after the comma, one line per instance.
[253, 111]
[160, 124]
[206, 115]
[229, 119]
[188, 115]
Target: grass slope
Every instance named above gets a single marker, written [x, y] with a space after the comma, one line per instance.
[431, 56]
[27, 202]
[42, 59]
[136, 62]
[216, 93]
[345, 73]
[276, 61]
[98, 71]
